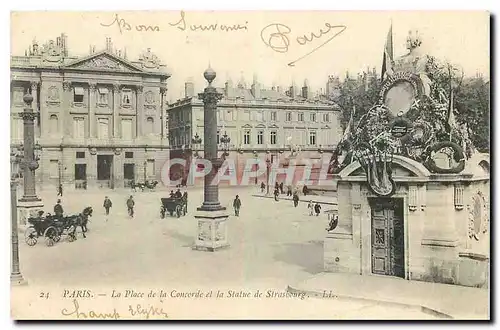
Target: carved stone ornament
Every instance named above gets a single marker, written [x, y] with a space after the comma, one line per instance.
[210, 97]
[118, 151]
[51, 52]
[53, 93]
[140, 89]
[149, 97]
[149, 60]
[66, 85]
[93, 151]
[478, 216]
[29, 116]
[103, 63]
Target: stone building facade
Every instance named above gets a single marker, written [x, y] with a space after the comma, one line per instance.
[100, 117]
[266, 124]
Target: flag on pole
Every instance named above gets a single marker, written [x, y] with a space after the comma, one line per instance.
[349, 124]
[451, 116]
[388, 55]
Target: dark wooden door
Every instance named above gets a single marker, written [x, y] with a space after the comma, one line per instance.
[387, 236]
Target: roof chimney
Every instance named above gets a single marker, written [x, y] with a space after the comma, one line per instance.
[189, 89]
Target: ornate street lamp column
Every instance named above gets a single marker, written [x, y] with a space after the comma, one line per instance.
[211, 216]
[16, 278]
[30, 203]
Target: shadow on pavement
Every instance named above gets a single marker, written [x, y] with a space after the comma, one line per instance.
[307, 255]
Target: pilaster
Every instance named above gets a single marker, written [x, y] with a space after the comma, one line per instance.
[140, 111]
[116, 109]
[66, 118]
[36, 108]
[92, 105]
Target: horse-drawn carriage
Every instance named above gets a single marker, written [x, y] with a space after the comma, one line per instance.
[151, 185]
[173, 205]
[53, 227]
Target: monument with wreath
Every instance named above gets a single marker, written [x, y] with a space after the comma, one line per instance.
[413, 193]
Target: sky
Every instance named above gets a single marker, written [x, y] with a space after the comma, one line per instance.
[459, 37]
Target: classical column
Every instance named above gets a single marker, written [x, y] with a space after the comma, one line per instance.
[140, 111]
[92, 103]
[211, 216]
[36, 109]
[66, 117]
[163, 114]
[30, 201]
[116, 111]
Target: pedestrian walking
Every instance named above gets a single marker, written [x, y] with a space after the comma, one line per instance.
[107, 205]
[276, 194]
[310, 206]
[185, 198]
[289, 190]
[58, 210]
[262, 187]
[305, 190]
[281, 188]
[295, 200]
[130, 206]
[60, 190]
[237, 205]
[317, 209]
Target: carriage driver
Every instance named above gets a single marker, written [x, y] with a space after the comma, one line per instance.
[58, 210]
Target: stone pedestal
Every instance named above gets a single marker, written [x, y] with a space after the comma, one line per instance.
[212, 230]
[28, 209]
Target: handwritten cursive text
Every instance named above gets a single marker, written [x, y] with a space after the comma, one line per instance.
[147, 311]
[90, 314]
[181, 25]
[277, 37]
[123, 25]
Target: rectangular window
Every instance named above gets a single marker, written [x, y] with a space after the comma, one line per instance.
[300, 116]
[80, 154]
[246, 137]
[103, 128]
[79, 128]
[150, 168]
[127, 129]
[103, 95]
[326, 117]
[54, 169]
[273, 138]
[313, 117]
[274, 116]
[78, 94]
[312, 138]
[260, 137]
[129, 154]
[288, 116]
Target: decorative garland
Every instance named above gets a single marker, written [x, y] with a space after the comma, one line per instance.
[458, 156]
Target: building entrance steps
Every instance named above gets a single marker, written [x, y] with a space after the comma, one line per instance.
[442, 300]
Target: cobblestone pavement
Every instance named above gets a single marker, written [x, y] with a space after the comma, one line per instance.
[271, 245]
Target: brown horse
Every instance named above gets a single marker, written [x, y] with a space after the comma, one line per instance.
[83, 218]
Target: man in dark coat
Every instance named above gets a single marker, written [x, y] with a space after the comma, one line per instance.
[281, 188]
[178, 193]
[58, 209]
[295, 200]
[276, 194]
[60, 190]
[172, 194]
[130, 206]
[262, 187]
[107, 204]
[317, 209]
[185, 198]
[305, 190]
[237, 205]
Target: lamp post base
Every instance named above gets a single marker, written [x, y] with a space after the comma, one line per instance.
[28, 209]
[17, 279]
[212, 230]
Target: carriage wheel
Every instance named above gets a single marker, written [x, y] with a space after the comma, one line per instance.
[50, 235]
[178, 211]
[31, 236]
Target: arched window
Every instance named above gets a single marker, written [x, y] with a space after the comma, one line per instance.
[54, 124]
[150, 125]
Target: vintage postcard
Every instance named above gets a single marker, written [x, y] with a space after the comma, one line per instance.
[201, 165]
